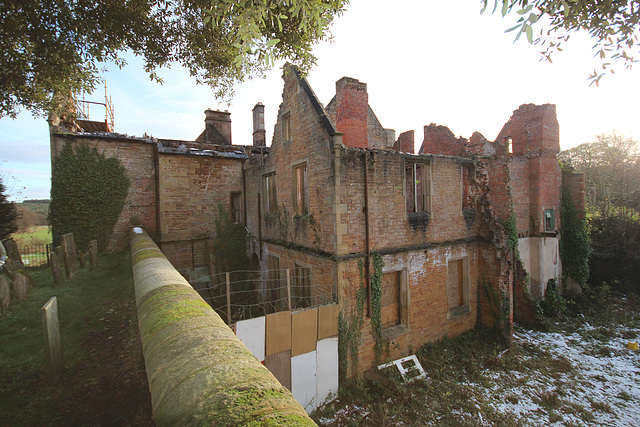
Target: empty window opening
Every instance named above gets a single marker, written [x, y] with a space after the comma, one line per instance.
[300, 189]
[276, 298]
[418, 187]
[508, 143]
[271, 199]
[236, 208]
[549, 220]
[458, 284]
[301, 286]
[467, 199]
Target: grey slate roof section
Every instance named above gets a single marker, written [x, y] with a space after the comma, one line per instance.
[324, 117]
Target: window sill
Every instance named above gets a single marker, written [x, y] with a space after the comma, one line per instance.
[395, 332]
[460, 311]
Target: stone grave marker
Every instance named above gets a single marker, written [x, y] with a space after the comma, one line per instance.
[5, 295]
[69, 252]
[12, 252]
[56, 268]
[52, 340]
[19, 285]
[93, 254]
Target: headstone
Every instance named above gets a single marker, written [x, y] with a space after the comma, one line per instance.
[52, 341]
[93, 254]
[69, 252]
[19, 285]
[5, 295]
[12, 251]
[56, 268]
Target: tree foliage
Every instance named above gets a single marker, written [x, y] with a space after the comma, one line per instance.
[614, 25]
[88, 192]
[50, 48]
[611, 165]
[8, 215]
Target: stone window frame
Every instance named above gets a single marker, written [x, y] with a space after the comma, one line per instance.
[270, 191]
[286, 127]
[236, 210]
[465, 287]
[549, 220]
[300, 194]
[427, 189]
[404, 301]
[300, 285]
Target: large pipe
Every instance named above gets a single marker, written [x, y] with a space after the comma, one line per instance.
[199, 372]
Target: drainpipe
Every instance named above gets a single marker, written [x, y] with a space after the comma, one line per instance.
[367, 241]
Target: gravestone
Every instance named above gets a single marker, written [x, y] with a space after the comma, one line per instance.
[69, 253]
[5, 295]
[19, 285]
[52, 341]
[12, 252]
[56, 268]
[93, 254]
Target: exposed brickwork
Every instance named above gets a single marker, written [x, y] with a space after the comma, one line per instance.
[405, 142]
[440, 140]
[576, 184]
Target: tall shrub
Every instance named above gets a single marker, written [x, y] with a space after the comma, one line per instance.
[88, 192]
[575, 246]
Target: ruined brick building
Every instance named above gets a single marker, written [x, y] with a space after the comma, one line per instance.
[336, 187]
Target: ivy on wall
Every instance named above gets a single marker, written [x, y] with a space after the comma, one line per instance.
[575, 245]
[376, 306]
[88, 192]
[349, 331]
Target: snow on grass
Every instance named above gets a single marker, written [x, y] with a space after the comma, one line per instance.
[600, 385]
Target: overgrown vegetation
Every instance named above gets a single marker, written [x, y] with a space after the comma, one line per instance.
[8, 214]
[575, 246]
[381, 343]
[103, 379]
[88, 192]
[350, 322]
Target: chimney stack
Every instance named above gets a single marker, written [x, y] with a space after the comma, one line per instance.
[259, 133]
[352, 104]
[217, 127]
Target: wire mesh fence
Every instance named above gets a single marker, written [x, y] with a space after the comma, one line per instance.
[35, 255]
[241, 295]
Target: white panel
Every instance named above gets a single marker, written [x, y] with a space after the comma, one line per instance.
[327, 371]
[303, 380]
[251, 332]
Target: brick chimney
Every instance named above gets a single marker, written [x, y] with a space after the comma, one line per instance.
[217, 127]
[352, 104]
[259, 133]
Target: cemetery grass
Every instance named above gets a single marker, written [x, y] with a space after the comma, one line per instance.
[104, 382]
[39, 234]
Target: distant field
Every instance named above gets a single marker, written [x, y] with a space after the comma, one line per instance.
[39, 235]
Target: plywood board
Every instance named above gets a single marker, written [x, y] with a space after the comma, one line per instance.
[278, 336]
[252, 333]
[328, 321]
[303, 380]
[304, 332]
[327, 370]
[280, 366]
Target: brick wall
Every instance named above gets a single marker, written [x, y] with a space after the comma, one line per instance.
[440, 140]
[137, 157]
[576, 184]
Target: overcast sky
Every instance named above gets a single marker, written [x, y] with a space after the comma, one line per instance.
[423, 62]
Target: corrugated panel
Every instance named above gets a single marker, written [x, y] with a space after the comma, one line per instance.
[252, 333]
[303, 380]
[278, 336]
[327, 370]
[304, 332]
[328, 321]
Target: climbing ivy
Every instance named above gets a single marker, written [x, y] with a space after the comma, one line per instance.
[575, 245]
[376, 306]
[498, 303]
[229, 244]
[350, 330]
[511, 231]
[88, 192]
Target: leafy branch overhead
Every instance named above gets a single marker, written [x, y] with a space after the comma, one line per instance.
[50, 48]
[613, 25]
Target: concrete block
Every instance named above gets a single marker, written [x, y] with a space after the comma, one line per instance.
[303, 380]
[327, 370]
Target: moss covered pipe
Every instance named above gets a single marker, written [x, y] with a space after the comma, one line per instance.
[199, 372]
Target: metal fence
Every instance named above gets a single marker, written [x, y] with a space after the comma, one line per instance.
[36, 255]
[241, 295]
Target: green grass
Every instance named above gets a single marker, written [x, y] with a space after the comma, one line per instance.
[40, 234]
[83, 304]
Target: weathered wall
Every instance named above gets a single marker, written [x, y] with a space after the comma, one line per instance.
[199, 372]
[541, 258]
[137, 156]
